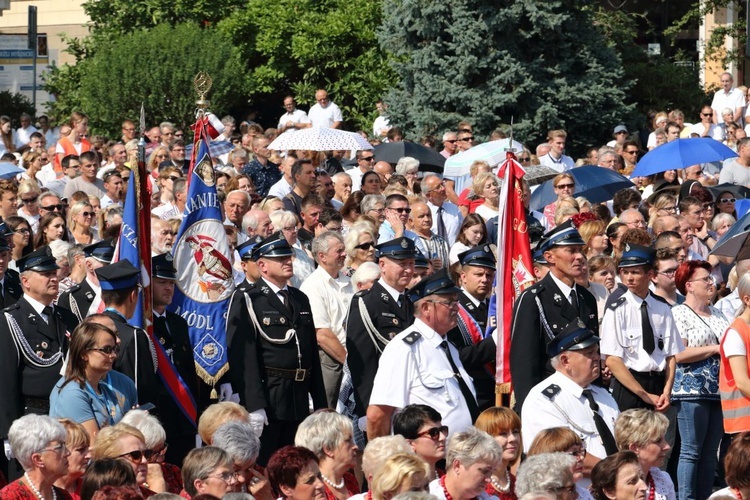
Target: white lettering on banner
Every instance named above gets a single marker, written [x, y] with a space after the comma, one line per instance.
[204, 200]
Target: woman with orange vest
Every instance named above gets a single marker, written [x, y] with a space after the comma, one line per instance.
[734, 380]
[75, 143]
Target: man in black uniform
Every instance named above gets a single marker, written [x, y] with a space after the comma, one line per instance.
[477, 353]
[545, 309]
[137, 358]
[33, 345]
[171, 331]
[273, 350]
[377, 315]
[85, 298]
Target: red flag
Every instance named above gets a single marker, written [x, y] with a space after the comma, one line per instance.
[514, 264]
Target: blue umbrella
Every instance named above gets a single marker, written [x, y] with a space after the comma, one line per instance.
[215, 149]
[596, 184]
[681, 153]
[8, 170]
[735, 243]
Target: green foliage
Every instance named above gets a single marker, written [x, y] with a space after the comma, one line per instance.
[12, 105]
[155, 67]
[543, 64]
[298, 46]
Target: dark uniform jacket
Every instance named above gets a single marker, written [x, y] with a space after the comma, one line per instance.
[12, 290]
[532, 329]
[136, 360]
[257, 364]
[78, 299]
[478, 359]
[364, 348]
[20, 378]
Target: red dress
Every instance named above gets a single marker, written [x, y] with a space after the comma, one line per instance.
[503, 495]
[19, 490]
[173, 478]
[350, 483]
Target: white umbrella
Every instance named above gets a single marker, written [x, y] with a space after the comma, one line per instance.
[492, 152]
[319, 139]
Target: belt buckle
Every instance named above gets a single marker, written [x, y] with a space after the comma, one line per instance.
[299, 374]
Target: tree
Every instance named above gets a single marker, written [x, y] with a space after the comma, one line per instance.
[13, 105]
[542, 64]
[298, 46]
[155, 67]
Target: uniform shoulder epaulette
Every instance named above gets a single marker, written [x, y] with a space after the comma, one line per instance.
[551, 391]
[659, 298]
[412, 337]
[11, 308]
[616, 298]
[73, 288]
[362, 293]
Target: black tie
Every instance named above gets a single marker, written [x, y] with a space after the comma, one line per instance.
[441, 223]
[284, 297]
[2, 297]
[48, 311]
[160, 323]
[471, 402]
[574, 300]
[610, 446]
[648, 332]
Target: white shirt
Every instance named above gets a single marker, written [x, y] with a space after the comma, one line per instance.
[329, 301]
[486, 212]
[421, 374]
[296, 116]
[356, 174]
[325, 117]
[621, 334]
[714, 131]
[729, 305]
[23, 135]
[539, 413]
[94, 307]
[733, 99]
[452, 220]
[381, 124]
[561, 165]
[280, 189]
[166, 211]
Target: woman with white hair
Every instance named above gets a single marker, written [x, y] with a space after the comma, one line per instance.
[38, 443]
[359, 243]
[365, 275]
[472, 457]
[303, 264]
[374, 206]
[156, 441]
[207, 471]
[548, 472]
[331, 437]
[60, 250]
[238, 439]
[376, 453]
[409, 168]
[643, 432]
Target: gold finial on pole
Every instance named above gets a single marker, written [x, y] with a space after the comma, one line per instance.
[202, 84]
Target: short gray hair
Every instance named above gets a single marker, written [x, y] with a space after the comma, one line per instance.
[380, 449]
[238, 439]
[447, 135]
[74, 251]
[199, 464]
[323, 431]
[721, 219]
[472, 446]
[282, 218]
[322, 243]
[164, 125]
[367, 271]
[149, 425]
[179, 185]
[251, 219]
[339, 176]
[245, 194]
[31, 434]
[424, 185]
[545, 472]
[406, 163]
[369, 201]
[60, 249]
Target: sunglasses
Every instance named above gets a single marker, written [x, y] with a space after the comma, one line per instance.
[453, 141]
[137, 455]
[707, 114]
[174, 177]
[728, 200]
[364, 246]
[88, 214]
[470, 138]
[434, 432]
[524, 158]
[107, 349]
[565, 186]
[29, 201]
[369, 158]
[401, 210]
[53, 208]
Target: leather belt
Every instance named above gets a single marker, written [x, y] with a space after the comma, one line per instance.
[298, 375]
[36, 405]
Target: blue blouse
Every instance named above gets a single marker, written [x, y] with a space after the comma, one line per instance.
[117, 395]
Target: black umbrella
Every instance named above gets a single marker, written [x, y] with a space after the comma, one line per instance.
[429, 159]
[738, 191]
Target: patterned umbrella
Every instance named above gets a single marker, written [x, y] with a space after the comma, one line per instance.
[215, 149]
[319, 139]
[493, 152]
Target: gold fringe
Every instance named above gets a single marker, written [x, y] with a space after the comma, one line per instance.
[211, 380]
[502, 389]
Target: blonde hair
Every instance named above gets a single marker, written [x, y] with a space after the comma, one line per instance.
[107, 444]
[379, 450]
[76, 435]
[395, 471]
[478, 185]
[639, 427]
[218, 414]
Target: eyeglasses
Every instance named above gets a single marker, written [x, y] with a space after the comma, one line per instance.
[29, 201]
[378, 210]
[450, 304]
[465, 139]
[365, 246]
[174, 177]
[709, 280]
[569, 489]
[671, 208]
[406, 210]
[707, 114]
[580, 454]
[369, 158]
[434, 432]
[23, 230]
[728, 200]
[137, 455]
[74, 167]
[565, 186]
[226, 477]
[60, 448]
[88, 214]
[162, 156]
[669, 273]
[524, 158]
[631, 152]
[453, 141]
[53, 208]
[291, 229]
[107, 350]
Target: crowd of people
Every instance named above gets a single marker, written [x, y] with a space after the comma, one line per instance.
[361, 360]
